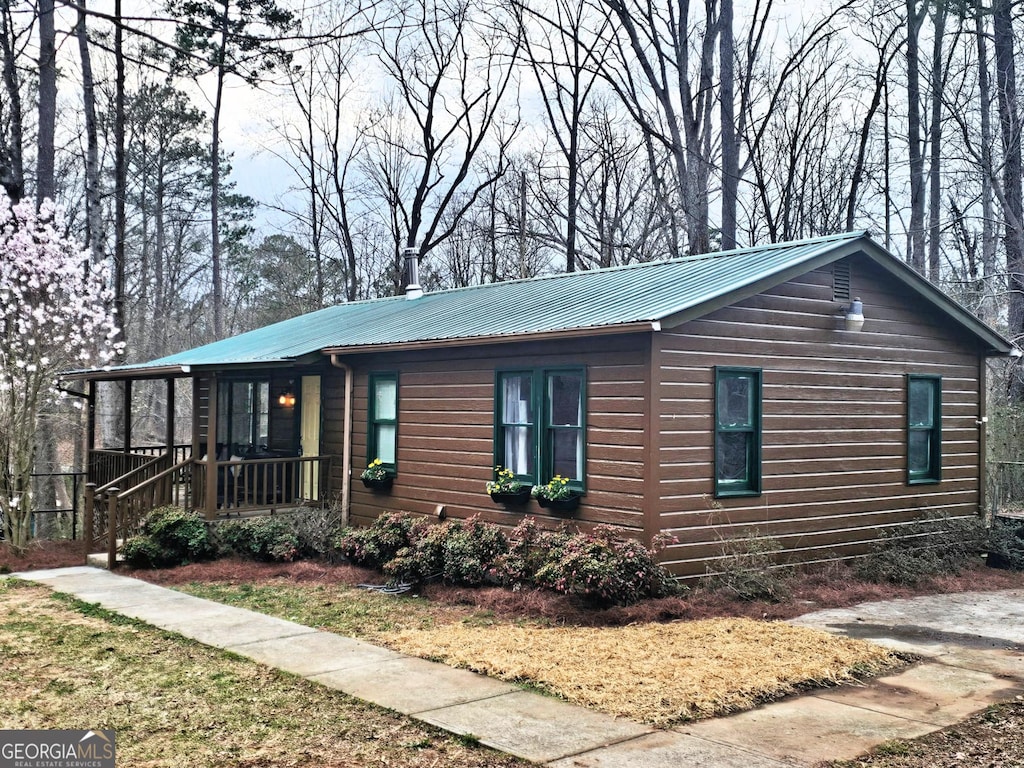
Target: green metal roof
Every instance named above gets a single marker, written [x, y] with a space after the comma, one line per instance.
[607, 300]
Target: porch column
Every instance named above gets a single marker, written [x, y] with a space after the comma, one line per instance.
[90, 427]
[211, 449]
[127, 415]
[169, 420]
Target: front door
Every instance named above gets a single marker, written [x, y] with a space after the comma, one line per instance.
[310, 436]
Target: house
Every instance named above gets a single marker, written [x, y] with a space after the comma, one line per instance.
[816, 392]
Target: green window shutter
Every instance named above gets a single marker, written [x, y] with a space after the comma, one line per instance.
[737, 431]
[924, 429]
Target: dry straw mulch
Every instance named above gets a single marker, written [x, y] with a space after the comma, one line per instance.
[656, 673]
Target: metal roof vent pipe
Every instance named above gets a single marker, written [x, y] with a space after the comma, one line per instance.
[412, 272]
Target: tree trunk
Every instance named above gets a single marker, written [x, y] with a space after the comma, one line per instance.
[915, 236]
[93, 193]
[988, 308]
[1013, 205]
[12, 170]
[730, 147]
[935, 140]
[47, 103]
[215, 250]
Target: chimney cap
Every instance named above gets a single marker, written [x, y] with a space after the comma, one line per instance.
[412, 269]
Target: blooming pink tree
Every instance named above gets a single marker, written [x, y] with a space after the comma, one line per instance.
[54, 316]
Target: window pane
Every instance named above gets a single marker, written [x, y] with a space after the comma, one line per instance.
[922, 402]
[565, 397]
[262, 413]
[732, 459]
[735, 401]
[385, 399]
[519, 450]
[516, 403]
[920, 452]
[567, 453]
[386, 443]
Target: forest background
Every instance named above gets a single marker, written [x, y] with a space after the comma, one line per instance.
[502, 139]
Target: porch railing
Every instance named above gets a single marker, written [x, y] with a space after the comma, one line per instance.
[95, 526]
[268, 483]
[112, 515]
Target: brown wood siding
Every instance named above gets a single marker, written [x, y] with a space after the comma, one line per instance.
[446, 429]
[834, 412]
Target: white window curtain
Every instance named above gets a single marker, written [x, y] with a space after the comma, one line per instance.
[517, 418]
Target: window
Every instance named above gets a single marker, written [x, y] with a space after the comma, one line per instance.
[539, 424]
[737, 431]
[382, 437]
[243, 415]
[924, 429]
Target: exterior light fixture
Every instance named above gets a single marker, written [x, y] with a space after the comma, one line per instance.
[854, 315]
[287, 399]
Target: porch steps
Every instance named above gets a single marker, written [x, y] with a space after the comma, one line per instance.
[99, 559]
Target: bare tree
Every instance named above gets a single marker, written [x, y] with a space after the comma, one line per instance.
[448, 76]
[562, 53]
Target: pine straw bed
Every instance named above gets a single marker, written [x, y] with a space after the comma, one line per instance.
[655, 673]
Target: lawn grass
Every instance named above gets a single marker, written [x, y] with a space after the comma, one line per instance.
[174, 702]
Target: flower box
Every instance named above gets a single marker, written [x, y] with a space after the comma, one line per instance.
[379, 484]
[512, 498]
[564, 506]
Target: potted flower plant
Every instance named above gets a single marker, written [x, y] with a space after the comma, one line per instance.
[556, 495]
[377, 476]
[505, 488]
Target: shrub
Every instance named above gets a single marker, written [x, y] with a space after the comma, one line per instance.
[602, 568]
[749, 569]
[270, 539]
[316, 530]
[459, 552]
[598, 567]
[526, 551]
[379, 543]
[170, 536]
[1005, 544]
[143, 552]
[932, 546]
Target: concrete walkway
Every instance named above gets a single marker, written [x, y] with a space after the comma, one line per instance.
[973, 646]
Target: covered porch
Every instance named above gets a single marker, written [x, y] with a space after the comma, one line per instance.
[252, 447]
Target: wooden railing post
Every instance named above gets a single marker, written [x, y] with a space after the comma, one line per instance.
[112, 500]
[87, 519]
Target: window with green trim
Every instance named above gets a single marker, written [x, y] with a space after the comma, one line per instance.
[737, 431]
[540, 424]
[924, 429]
[382, 436]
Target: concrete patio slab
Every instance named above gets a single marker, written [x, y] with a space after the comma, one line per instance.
[966, 620]
[533, 727]
[996, 661]
[668, 748]
[932, 693]
[807, 729]
[409, 685]
[314, 654]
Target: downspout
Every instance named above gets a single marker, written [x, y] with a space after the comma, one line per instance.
[346, 452]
